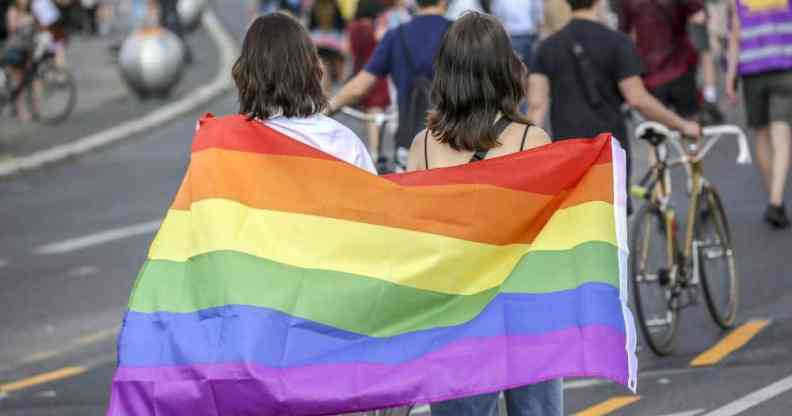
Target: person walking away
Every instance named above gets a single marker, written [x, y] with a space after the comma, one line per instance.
[760, 53]
[672, 39]
[523, 20]
[476, 93]
[362, 41]
[584, 73]
[278, 78]
[405, 54]
[21, 26]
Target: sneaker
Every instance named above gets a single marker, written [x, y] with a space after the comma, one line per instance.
[776, 216]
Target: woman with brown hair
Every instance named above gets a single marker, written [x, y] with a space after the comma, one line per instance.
[476, 93]
[278, 76]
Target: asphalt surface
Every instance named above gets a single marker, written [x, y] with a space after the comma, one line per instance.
[103, 100]
[74, 235]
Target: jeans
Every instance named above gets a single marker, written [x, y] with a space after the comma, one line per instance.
[541, 399]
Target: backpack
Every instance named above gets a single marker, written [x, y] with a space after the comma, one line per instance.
[419, 100]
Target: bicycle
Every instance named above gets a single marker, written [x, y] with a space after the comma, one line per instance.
[50, 91]
[665, 276]
[386, 123]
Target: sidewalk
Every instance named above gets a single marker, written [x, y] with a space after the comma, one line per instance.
[103, 100]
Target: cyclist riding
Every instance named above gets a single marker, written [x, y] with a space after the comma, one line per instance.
[19, 48]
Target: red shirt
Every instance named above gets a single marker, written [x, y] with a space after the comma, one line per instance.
[362, 43]
[660, 28]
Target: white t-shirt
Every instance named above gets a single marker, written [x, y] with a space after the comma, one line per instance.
[45, 11]
[324, 133]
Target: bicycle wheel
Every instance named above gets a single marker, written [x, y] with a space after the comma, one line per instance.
[52, 94]
[717, 268]
[650, 282]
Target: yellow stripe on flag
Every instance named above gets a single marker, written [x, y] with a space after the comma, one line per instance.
[405, 257]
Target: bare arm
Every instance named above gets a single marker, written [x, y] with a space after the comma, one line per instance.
[633, 90]
[733, 55]
[352, 91]
[538, 98]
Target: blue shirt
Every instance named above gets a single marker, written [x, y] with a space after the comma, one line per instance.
[422, 35]
[519, 17]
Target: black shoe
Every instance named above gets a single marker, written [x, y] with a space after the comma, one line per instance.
[776, 216]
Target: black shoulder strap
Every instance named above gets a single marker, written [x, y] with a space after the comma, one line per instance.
[588, 71]
[525, 134]
[426, 149]
[500, 127]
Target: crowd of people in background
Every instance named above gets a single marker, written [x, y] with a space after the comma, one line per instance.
[588, 60]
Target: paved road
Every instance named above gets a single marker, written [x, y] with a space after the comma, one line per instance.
[74, 235]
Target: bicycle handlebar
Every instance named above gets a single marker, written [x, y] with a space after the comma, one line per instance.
[744, 154]
[653, 128]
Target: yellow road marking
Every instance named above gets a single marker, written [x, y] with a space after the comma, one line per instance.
[732, 342]
[608, 406]
[59, 374]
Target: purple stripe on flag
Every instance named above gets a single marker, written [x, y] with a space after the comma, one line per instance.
[468, 367]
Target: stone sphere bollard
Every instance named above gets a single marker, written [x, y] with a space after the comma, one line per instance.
[190, 12]
[152, 61]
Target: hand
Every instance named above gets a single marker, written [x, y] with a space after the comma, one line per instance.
[691, 129]
[731, 87]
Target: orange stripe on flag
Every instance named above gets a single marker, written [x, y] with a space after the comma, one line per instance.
[481, 213]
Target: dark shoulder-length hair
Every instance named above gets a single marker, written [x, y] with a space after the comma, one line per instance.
[278, 71]
[477, 77]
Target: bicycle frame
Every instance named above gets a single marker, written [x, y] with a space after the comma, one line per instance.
[657, 182]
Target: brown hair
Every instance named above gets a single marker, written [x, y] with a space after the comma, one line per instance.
[278, 71]
[476, 78]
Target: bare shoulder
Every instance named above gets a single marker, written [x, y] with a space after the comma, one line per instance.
[537, 137]
[415, 160]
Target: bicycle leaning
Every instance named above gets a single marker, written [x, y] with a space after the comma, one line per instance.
[666, 275]
[50, 91]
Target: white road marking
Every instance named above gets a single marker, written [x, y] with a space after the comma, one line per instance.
[102, 237]
[754, 399]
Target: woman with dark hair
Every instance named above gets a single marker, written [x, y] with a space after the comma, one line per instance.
[476, 93]
[278, 76]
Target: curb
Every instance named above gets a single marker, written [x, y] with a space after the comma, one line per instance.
[220, 83]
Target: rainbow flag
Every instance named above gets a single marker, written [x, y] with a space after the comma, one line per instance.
[284, 281]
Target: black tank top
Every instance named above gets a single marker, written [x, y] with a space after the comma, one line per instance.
[500, 127]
